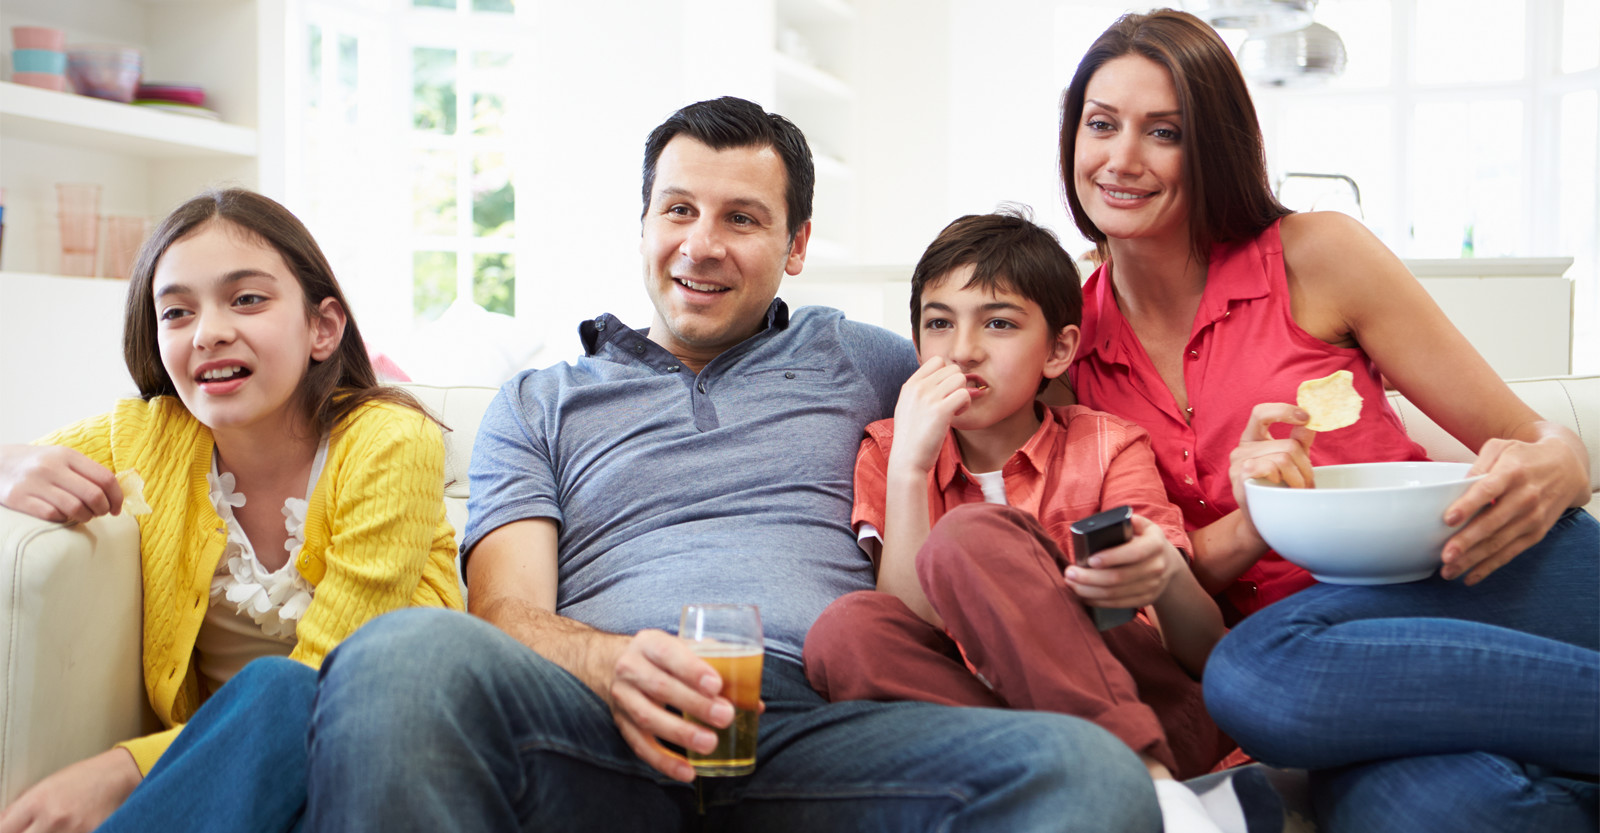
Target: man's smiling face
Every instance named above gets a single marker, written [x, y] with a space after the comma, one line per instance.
[716, 246]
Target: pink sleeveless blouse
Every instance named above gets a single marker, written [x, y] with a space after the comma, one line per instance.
[1244, 349]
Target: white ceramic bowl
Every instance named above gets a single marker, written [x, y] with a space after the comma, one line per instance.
[1365, 523]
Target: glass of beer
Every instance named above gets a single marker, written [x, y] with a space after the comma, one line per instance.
[728, 636]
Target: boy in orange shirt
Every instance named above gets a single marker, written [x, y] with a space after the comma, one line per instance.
[963, 500]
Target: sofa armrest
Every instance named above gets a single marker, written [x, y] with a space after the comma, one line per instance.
[1572, 401]
[70, 642]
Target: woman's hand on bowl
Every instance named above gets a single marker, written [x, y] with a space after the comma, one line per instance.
[1526, 488]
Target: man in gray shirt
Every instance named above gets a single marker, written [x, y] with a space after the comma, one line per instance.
[706, 459]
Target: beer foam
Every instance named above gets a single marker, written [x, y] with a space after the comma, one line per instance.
[719, 648]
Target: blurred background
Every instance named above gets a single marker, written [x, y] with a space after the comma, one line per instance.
[472, 166]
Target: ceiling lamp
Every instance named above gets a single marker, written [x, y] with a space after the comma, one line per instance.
[1304, 56]
[1260, 17]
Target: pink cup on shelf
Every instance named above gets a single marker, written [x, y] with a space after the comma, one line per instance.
[79, 205]
[124, 236]
[38, 37]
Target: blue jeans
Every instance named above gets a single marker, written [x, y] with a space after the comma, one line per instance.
[1431, 705]
[432, 720]
[239, 765]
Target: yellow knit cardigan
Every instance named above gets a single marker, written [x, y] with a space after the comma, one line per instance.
[376, 537]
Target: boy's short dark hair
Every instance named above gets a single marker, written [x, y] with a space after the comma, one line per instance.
[1008, 251]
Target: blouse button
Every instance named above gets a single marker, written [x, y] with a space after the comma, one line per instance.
[672, 368]
[1186, 454]
[788, 374]
[1190, 481]
[638, 349]
[701, 387]
[1202, 503]
[1194, 354]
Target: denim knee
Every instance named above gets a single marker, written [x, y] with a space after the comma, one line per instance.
[277, 689]
[414, 658]
[1473, 792]
[1250, 703]
[1077, 770]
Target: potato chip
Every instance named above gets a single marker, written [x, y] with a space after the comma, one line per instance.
[133, 493]
[1331, 401]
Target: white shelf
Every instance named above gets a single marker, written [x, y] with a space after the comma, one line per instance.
[808, 81]
[835, 12]
[831, 166]
[52, 117]
[1489, 267]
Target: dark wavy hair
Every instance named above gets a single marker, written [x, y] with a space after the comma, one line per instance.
[332, 388]
[1225, 159]
[730, 122]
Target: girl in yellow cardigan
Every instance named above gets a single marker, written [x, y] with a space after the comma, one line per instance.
[284, 498]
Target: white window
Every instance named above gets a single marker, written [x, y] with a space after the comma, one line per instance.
[1470, 127]
[403, 164]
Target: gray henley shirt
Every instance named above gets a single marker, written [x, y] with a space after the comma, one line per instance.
[731, 485]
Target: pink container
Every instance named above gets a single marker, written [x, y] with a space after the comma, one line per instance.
[38, 37]
[45, 80]
[79, 205]
[124, 236]
[109, 72]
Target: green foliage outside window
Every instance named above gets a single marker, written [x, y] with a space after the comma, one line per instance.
[433, 99]
[433, 283]
[493, 196]
[494, 284]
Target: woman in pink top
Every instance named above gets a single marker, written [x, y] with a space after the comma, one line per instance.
[1468, 701]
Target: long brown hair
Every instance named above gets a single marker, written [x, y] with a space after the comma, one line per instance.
[332, 388]
[1225, 159]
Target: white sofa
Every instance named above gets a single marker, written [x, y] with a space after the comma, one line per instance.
[70, 606]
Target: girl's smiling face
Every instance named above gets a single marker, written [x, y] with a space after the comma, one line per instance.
[234, 333]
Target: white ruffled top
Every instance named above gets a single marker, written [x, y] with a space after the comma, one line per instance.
[253, 610]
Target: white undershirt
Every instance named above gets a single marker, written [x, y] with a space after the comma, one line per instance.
[253, 611]
[993, 484]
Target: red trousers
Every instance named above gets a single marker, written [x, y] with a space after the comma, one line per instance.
[995, 577]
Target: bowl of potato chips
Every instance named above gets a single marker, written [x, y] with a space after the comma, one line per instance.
[1363, 523]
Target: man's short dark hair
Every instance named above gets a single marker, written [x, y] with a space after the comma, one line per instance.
[730, 122]
[1008, 251]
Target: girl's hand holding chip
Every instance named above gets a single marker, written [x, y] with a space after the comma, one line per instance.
[1526, 489]
[55, 483]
